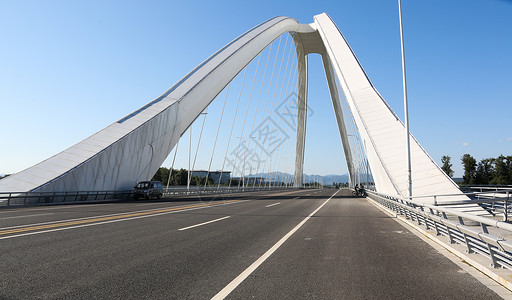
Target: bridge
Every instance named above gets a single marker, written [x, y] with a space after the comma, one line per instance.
[266, 239]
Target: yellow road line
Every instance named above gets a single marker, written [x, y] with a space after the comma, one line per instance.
[117, 217]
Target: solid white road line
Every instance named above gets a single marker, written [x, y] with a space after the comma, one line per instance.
[197, 225]
[16, 217]
[240, 278]
[270, 205]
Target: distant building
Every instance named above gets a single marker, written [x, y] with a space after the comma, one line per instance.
[214, 175]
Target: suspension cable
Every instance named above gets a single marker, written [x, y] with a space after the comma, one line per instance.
[292, 140]
[272, 107]
[216, 137]
[265, 106]
[256, 111]
[285, 79]
[232, 125]
[172, 165]
[245, 118]
[189, 155]
[281, 152]
[199, 141]
[293, 121]
[246, 146]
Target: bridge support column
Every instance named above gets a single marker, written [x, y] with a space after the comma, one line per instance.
[335, 97]
[302, 61]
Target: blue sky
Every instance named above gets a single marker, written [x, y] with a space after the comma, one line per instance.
[70, 68]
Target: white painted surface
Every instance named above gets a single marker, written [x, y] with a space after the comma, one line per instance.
[204, 223]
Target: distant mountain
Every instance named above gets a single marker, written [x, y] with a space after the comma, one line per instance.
[329, 179]
[326, 180]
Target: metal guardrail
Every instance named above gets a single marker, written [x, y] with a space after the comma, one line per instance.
[485, 188]
[458, 227]
[178, 191]
[496, 201]
[35, 198]
[31, 198]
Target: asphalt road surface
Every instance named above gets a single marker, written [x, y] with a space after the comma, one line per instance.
[305, 244]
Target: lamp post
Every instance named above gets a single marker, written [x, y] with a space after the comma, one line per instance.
[406, 109]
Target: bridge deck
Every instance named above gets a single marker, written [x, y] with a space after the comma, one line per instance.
[347, 250]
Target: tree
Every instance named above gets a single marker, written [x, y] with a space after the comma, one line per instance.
[197, 180]
[509, 167]
[485, 171]
[179, 177]
[161, 175]
[502, 171]
[234, 182]
[447, 166]
[469, 164]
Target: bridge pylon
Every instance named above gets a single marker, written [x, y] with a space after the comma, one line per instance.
[134, 147]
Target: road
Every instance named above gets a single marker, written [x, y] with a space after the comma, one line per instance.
[305, 244]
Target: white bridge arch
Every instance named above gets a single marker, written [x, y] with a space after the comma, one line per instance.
[133, 148]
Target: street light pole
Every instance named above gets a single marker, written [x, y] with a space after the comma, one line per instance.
[406, 109]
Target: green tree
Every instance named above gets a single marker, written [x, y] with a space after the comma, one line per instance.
[197, 180]
[180, 177]
[485, 171]
[509, 167]
[161, 175]
[234, 182]
[502, 171]
[469, 164]
[447, 166]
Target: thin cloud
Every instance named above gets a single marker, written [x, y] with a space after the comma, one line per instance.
[465, 144]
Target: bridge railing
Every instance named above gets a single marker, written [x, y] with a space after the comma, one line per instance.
[486, 188]
[495, 201]
[180, 190]
[480, 235]
[31, 198]
[35, 198]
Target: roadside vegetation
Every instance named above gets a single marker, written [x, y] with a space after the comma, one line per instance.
[488, 171]
[178, 177]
